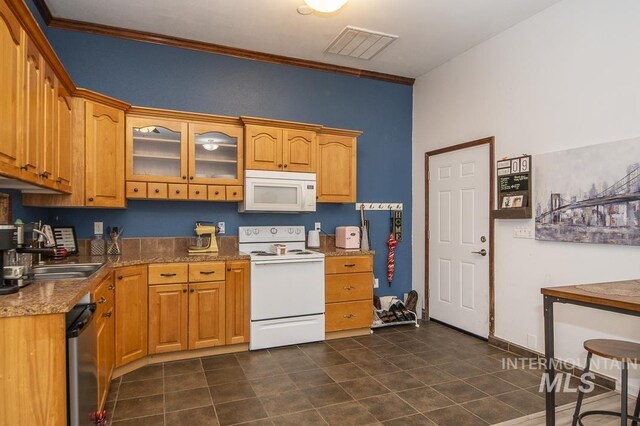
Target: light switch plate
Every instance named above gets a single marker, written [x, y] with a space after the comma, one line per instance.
[98, 228]
[376, 284]
[221, 228]
[523, 232]
[317, 226]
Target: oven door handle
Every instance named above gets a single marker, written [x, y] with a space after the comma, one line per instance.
[276, 262]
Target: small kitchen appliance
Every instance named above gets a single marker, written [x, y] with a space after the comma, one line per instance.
[205, 242]
[287, 291]
[6, 243]
[348, 237]
[268, 191]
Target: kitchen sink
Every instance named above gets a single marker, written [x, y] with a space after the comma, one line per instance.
[76, 271]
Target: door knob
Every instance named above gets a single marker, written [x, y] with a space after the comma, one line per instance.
[482, 252]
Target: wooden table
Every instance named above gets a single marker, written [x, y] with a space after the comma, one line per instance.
[591, 296]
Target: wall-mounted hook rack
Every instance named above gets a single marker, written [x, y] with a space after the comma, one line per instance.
[380, 206]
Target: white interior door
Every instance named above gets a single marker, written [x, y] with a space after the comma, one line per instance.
[458, 222]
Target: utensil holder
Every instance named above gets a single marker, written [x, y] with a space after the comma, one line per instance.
[113, 246]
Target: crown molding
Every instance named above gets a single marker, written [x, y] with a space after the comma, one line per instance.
[148, 37]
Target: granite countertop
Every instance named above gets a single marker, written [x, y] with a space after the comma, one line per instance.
[56, 297]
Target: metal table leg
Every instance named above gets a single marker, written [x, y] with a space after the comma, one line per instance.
[549, 391]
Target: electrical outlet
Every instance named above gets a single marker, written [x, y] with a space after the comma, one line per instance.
[523, 232]
[98, 228]
[221, 228]
[317, 226]
[532, 341]
[376, 284]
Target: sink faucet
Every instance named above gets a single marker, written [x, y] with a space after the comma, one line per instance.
[35, 247]
[47, 239]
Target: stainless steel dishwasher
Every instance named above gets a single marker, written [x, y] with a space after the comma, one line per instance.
[82, 380]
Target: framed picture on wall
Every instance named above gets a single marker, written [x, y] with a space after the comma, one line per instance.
[512, 201]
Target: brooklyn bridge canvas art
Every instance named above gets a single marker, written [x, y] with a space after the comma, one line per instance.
[589, 194]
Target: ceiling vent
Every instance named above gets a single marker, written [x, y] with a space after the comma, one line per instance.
[359, 43]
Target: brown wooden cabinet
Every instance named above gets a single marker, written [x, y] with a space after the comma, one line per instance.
[336, 177]
[64, 121]
[168, 316]
[180, 158]
[206, 315]
[348, 292]
[131, 313]
[238, 285]
[104, 167]
[32, 125]
[105, 335]
[280, 145]
[11, 42]
[48, 150]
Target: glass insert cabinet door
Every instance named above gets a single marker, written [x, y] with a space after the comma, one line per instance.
[156, 150]
[215, 153]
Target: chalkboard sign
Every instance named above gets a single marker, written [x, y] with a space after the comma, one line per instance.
[514, 183]
[514, 190]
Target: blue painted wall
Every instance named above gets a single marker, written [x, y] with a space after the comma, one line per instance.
[165, 77]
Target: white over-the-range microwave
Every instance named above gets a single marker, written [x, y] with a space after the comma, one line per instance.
[267, 191]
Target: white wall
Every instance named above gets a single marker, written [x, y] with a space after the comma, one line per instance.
[567, 77]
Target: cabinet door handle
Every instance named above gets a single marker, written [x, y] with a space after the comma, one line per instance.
[349, 265]
[157, 190]
[228, 269]
[120, 277]
[25, 167]
[279, 166]
[184, 290]
[192, 291]
[177, 191]
[58, 180]
[135, 189]
[107, 314]
[168, 275]
[207, 272]
[111, 287]
[184, 177]
[197, 192]
[349, 288]
[102, 300]
[235, 193]
[44, 175]
[90, 198]
[349, 316]
[285, 166]
[217, 192]
[190, 177]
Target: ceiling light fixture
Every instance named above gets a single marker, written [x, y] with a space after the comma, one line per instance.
[325, 6]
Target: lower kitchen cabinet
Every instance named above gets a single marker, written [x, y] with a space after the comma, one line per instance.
[237, 301]
[105, 336]
[168, 316]
[206, 315]
[348, 292]
[131, 314]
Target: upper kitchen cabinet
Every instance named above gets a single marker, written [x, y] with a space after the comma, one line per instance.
[215, 154]
[337, 163]
[32, 118]
[90, 152]
[104, 167]
[11, 42]
[156, 150]
[183, 156]
[280, 145]
[49, 148]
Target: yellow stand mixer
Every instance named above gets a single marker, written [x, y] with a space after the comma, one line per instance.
[204, 230]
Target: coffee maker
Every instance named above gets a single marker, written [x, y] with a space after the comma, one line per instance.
[7, 242]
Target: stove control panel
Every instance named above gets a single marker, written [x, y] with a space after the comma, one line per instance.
[255, 234]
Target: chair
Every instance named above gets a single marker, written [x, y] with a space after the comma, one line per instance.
[619, 350]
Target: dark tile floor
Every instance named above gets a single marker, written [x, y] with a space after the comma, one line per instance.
[397, 376]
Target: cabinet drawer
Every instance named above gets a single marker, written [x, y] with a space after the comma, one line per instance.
[157, 190]
[168, 273]
[136, 190]
[104, 295]
[345, 287]
[235, 193]
[206, 271]
[178, 191]
[216, 192]
[348, 315]
[197, 192]
[347, 264]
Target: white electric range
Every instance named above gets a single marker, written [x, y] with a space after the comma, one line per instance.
[287, 291]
